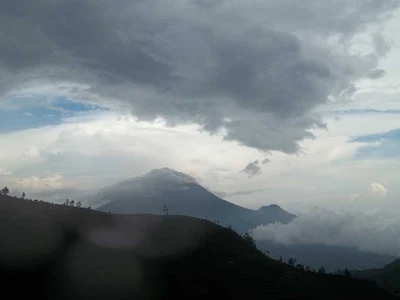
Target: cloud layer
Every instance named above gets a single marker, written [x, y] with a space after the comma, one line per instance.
[97, 149]
[254, 69]
[375, 232]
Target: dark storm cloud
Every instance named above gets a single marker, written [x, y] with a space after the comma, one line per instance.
[376, 74]
[255, 68]
[265, 161]
[252, 169]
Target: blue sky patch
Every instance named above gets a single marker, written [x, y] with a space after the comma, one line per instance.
[393, 135]
[44, 113]
[34, 117]
[68, 106]
[389, 146]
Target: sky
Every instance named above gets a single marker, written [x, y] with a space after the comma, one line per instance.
[262, 101]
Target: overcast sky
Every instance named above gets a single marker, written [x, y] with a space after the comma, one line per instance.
[263, 101]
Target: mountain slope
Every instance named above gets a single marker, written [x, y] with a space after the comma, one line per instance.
[72, 253]
[387, 277]
[183, 196]
[330, 257]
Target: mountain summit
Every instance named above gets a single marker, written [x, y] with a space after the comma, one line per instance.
[165, 176]
[183, 195]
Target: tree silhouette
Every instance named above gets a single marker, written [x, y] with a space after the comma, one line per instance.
[292, 261]
[72, 203]
[5, 191]
[321, 270]
[347, 273]
[165, 210]
[249, 239]
[23, 195]
[79, 204]
[66, 202]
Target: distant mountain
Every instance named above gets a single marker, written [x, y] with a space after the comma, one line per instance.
[57, 252]
[387, 277]
[331, 258]
[183, 195]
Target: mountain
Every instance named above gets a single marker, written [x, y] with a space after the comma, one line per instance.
[387, 277]
[330, 257]
[58, 252]
[183, 195]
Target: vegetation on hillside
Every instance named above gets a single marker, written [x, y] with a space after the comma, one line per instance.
[387, 277]
[64, 252]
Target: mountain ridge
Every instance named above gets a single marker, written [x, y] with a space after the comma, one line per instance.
[387, 277]
[77, 253]
[183, 195]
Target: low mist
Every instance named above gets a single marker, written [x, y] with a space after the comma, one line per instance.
[375, 232]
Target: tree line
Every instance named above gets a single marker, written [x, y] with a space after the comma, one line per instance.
[6, 192]
[292, 261]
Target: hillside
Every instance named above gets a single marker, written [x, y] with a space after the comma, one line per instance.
[183, 196]
[330, 257]
[58, 252]
[387, 277]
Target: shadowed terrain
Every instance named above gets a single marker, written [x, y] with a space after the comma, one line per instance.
[387, 277]
[183, 195]
[58, 252]
[330, 257]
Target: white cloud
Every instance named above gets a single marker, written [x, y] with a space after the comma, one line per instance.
[378, 189]
[4, 172]
[325, 173]
[354, 197]
[369, 195]
[39, 183]
[32, 151]
[97, 149]
[52, 187]
[375, 232]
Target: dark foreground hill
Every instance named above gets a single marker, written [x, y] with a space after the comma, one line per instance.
[58, 252]
[330, 257]
[183, 195]
[387, 277]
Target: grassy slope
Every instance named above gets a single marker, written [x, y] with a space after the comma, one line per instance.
[57, 252]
